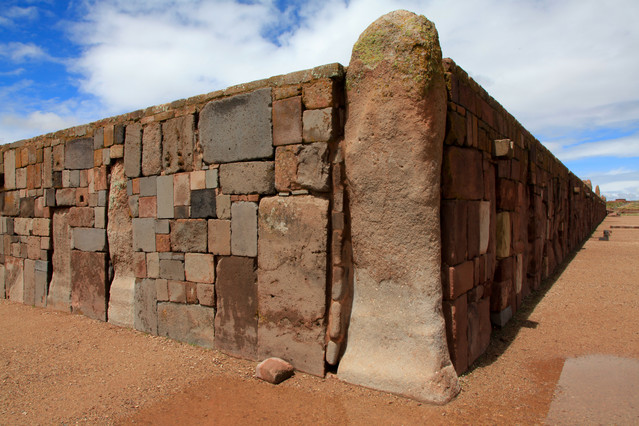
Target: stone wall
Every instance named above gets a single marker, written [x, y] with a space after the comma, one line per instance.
[510, 214]
[224, 220]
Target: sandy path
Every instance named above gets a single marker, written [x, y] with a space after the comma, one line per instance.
[58, 368]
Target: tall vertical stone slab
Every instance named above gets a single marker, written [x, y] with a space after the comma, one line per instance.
[292, 266]
[120, 235]
[177, 146]
[393, 151]
[133, 150]
[59, 296]
[89, 284]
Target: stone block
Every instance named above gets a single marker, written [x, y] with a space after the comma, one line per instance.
[211, 179]
[89, 284]
[64, 197]
[462, 174]
[164, 197]
[144, 234]
[147, 207]
[146, 317]
[182, 212]
[181, 189]
[22, 226]
[152, 265]
[237, 128]
[274, 370]
[78, 154]
[172, 269]
[132, 150]
[28, 294]
[302, 167]
[287, 121]
[205, 294]
[244, 229]
[473, 229]
[41, 282]
[122, 302]
[503, 148]
[33, 247]
[59, 295]
[81, 217]
[148, 186]
[320, 93]
[454, 219]
[506, 194]
[177, 144]
[503, 234]
[134, 205]
[484, 226]
[14, 278]
[177, 291]
[223, 206]
[236, 320]
[203, 203]
[198, 180]
[199, 268]
[100, 216]
[10, 169]
[117, 151]
[501, 318]
[219, 237]
[479, 329]
[162, 242]
[192, 324]
[500, 295]
[456, 315]
[292, 280]
[162, 290]
[152, 149]
[2, 281]
[11, 204]
[319, 125]
[256, 177]
[459, 279]
[189, 235]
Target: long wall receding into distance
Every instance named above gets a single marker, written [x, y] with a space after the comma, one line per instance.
[299, 217]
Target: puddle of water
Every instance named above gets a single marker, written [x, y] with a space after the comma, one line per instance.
[596, 389]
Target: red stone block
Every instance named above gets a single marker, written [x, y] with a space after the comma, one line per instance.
[459, 279]
[473, 229]
[500, 295]
[163, 243]
[320, 94]
[479, 329]
[286, 163]
[147, 207]
[287, 121]
[191, 293]
[454, 220]
[89, 284]
[82, 197]
[506, 194]
[139, 264]
[82, 217]
[100, 182]
[456, 317]
[462, 174]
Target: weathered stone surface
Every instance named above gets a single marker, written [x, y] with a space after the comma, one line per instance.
[28, 294]
[484, 226]
[187, 323]
[219, 237]
[89, 284]
[287, 121]
[223, 206]
[146, 316]
[2, 282]
[41, 283]
[292, 280]
[274, 370]
[177, 145]
[462, 175]
[454, 217]
[148, 186]
[459, 279]
[14, 278]
[205, 294]
[10, 169]
[164, 196]
[255, 177]
[143, 234]
[132, 150]
[65, 197]
[456, 314]
[503, 234]
[319, 125]
[203, 203]
[479, 329]
[171, 269]
[244, 229]
[121, 301]
[78, 154]
[237, 128]
[152, 149]
[389, 141]
[199, 268]
[59, 296]
[302, 167]
[236, 319]
[181, 189]
[89, 239]
[189, 235]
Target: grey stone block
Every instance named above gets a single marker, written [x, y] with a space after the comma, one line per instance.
[256, 177]
[144, 234]
[172, 270]
[152, 149]
[89, 239]
[98, 138]
[189, 235]
[223, 206]
[29, 282]
[145, 306]
[181, 212]
[203, 203]
[78, 154]
[162, 227]
[237, 128]
[501, 318]
[211, 178]
[165, 197]
[132, 150]
[148, 186]
[319, 125]
[244, 229]
[102, 198]
[41, 285]
[192, 324]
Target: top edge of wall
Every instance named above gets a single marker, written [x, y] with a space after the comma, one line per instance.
[181, 106]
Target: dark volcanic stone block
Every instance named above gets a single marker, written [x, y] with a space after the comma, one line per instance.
[203, 203]
[78, 154]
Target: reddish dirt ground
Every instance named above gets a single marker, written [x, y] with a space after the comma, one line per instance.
[59, 368]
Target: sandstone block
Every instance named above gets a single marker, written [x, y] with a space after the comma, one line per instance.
[292, 280]
[462, 174]
[64, 197]
[177, 291]
[122, 302]
[320, 94]
[460, 279]
[479, 329]
[146, 316]
[203, 203]
[28, 292]
[152, 265]
[484, 226]
[199, 268]
[81, 217]
[456, 314]
[257, 177]
[89, 284]
[41, 283]
[41, 227]
[14, 278]
[164, 196]
[89, 239]
[454, 219]
[147, 207]
[302, 166]
[237, 128]
[473, 229]
[236, 319]
[189, 235]
[219, 237]
[78, 154]
[10, 169]
[503, 236]
[287, 121]
[187, 323]
[177, 145]
[162, 290]
[143, 234]
[210, 177]
[198, 179]
[132, 150]
[59, 295]
[152, 149]
[172, 269]
[223, 206]
[506, 194]
[147, 186]
[319, 125]
[206, 294]
[181, 189]
[274, 370]
[244, 229]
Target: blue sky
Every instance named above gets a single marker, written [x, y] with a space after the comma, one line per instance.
[566, 69]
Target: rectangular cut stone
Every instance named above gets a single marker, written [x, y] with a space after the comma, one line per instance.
[244, 229]
[28, 295]
[181, 189]
[144, 234]
[199, 268]
[148, 186]
[89, 239]
[145, 300]
[193, 324]
[462, 174]
[237, 128]
[210, 177]
[198, 180]
[172, 269]
[203, 203]
[454, 218]
[459, 280]
[484, 226]
[41, 284]
[473, 229]
[479, 329]
[455, 313]
[292, 280]
[10, 169]
[89, 284]
[78, 154]
[189, 235]
[219, 237]
[177, 144]
[223, 206]
[152, 149]
[132, 150]
[164, 197]
[14, 278]
[287, 121]
[65, 197]
[236, 319]
[81, 217]
[257, 177]
[319, 125]
[503, 234]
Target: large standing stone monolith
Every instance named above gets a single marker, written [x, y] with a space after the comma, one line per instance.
[396, 117]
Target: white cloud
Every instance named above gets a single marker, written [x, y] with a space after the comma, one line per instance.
[622, 148]
[21, 52]
[17, 12]
[41, 122]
